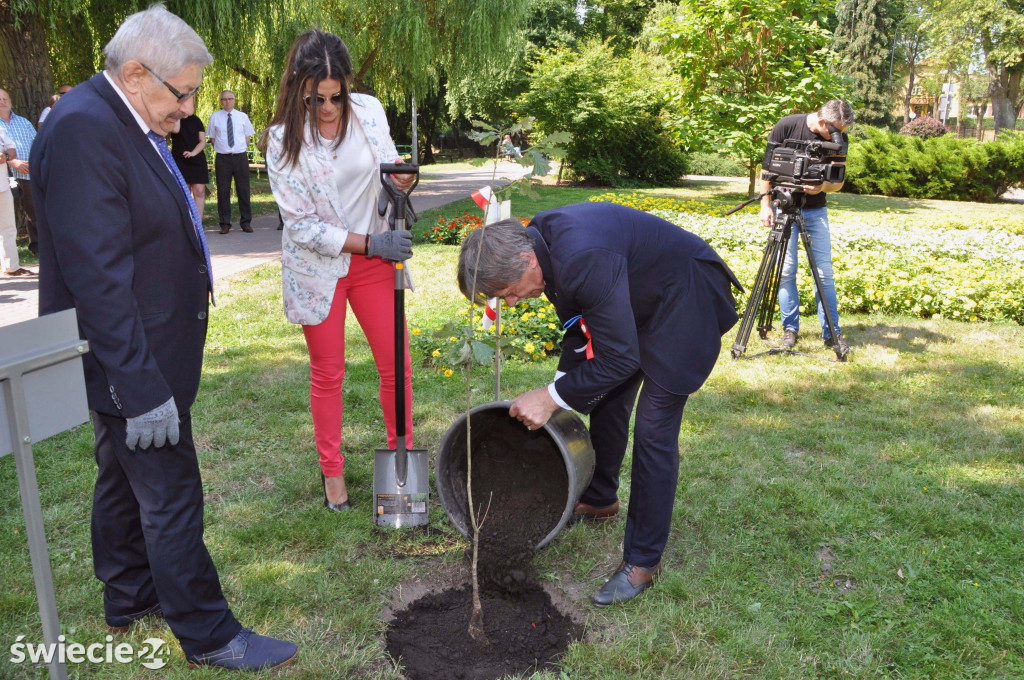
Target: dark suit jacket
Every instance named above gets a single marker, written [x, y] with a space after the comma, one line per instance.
[654, 297]
[117, 243]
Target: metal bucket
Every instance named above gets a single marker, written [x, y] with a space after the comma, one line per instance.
[569, 439]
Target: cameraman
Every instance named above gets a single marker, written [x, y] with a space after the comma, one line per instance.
[817, 126]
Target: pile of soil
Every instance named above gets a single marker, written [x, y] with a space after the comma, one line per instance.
[520, 481]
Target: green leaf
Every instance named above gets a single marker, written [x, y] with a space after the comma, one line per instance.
[482, 352]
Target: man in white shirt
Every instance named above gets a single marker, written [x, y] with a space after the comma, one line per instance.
[229, 131]
[9, 263]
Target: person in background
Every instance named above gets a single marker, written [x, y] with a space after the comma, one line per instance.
[230, 131]
[510, 149]
[645, 304]
[121, 243]
[323, 149]
[20, 131]
[835, 115]
[187, 144]
[10, 264]
[61, 91]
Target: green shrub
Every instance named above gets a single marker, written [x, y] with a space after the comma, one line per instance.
[714, 165]
[612, 107]
[924, 127]
[941, 167]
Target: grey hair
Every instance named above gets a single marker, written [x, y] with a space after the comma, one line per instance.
[495, 256]
[837, 112]
[160, 40]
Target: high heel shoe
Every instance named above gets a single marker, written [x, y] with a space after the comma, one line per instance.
[333, 507]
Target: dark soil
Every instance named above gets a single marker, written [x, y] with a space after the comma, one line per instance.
[522, 477]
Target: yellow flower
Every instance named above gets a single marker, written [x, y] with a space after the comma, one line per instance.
[551, 326]
[436, 353]
[529, 347]
[415, 331]
[447, 372]
[549, 346]
[536, 356]
[453, 338]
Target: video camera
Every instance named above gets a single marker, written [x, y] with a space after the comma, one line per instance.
[796, 162]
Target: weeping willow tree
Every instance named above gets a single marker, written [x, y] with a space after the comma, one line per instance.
[398, 47]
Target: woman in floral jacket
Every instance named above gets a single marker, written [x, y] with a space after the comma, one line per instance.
[323, 150]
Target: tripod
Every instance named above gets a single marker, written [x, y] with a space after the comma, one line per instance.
[787, 202]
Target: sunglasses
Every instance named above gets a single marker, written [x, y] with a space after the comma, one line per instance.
[336, 99]
[178, 95]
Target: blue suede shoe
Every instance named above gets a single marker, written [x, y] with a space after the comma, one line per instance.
[247, 651]
[627, 582]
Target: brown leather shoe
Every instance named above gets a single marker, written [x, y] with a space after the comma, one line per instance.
[21, 271]
[589, 513]
[225, 230]
[627, 582]
[246, 228]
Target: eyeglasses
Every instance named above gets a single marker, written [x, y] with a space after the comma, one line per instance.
[178, 95]
[336, 99]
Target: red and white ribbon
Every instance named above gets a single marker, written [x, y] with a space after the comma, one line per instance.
[490, 313]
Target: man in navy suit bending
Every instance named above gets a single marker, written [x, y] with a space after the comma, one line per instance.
[645, 305]
[121, 242]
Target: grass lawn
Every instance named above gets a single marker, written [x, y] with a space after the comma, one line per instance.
[853, 520]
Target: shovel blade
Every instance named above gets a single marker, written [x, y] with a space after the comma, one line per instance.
[395, 504]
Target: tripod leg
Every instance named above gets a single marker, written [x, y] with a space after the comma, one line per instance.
[822, 300]
[766, 312]
[770, 263]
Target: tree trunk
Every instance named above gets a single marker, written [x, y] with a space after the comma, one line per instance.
[961, 110]
[25, 62]
[910, 91]
[980, 132]
[751, 179]
[1006, 95]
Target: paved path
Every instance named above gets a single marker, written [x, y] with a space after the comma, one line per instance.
[237, 251]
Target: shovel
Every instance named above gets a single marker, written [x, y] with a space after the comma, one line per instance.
[401, 477]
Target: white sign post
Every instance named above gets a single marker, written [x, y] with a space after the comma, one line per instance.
[43, 394]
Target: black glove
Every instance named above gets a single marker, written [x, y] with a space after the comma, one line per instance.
[156, 427]
[395, 246]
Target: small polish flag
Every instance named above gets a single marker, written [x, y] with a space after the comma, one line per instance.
[484, 197]
[490, 313]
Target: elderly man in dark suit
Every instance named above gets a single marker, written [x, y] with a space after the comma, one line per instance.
[645, 304]
[121, 242]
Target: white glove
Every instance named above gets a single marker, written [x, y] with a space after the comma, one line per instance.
[156, 427]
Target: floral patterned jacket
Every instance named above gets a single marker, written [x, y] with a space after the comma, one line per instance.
[313, 209]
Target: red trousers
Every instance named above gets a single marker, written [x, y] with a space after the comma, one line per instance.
[370, 289]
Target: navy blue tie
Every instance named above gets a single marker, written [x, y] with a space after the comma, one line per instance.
[165, 153]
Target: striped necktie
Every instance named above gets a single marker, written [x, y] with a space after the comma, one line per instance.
[165, 153]
[231, 133]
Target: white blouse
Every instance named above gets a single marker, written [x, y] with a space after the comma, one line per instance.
[355, 171]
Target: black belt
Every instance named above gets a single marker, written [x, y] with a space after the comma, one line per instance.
[242, 153]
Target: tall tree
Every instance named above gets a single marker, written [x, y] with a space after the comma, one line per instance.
[744, 64]
[398, 46]
[24, 60]
[996, 29]
[863, 37]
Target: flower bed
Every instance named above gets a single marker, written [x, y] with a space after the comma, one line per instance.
[957, 271]
[530, 331]
[970, 274]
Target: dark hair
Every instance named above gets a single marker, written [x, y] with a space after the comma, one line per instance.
[315, 56]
